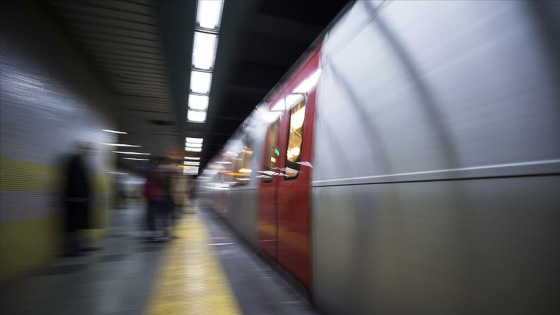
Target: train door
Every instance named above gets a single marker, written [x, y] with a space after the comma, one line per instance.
[268, 187]
[293, 191]
[284, 209]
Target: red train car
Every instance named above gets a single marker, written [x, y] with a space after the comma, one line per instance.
[409, 164]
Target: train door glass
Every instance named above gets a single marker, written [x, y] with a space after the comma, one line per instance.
[272, 152]
[295, 139]
[268, 191]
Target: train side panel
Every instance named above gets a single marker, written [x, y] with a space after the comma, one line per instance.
[220, 188]
[242, 203]
[436, 162]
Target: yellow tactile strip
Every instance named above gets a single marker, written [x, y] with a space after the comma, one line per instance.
[192, 280]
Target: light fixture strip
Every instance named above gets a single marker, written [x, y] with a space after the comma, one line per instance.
[205, 43]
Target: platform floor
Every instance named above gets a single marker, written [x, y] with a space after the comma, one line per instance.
[206, 270]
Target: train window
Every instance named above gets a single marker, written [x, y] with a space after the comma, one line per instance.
[242, 166]
[272, 152]
[295, 139]
[225, 172]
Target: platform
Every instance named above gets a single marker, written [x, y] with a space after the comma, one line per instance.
[205, 270]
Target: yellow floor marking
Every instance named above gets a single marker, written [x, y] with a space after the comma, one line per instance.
[192, 280]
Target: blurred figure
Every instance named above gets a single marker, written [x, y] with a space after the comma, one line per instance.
[180, 191]
[151, 193]
[120, 194]
[77, 199]
[165, 204]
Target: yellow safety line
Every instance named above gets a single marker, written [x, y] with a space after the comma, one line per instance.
[192, 280]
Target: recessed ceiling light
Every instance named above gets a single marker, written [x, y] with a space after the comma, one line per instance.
[209, 14]
[196, 116]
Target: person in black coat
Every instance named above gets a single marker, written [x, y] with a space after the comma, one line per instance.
[77, 198]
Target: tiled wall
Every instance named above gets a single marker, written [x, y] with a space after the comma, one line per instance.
[50, 98]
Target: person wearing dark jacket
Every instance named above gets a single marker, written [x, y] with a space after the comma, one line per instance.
[151, 194]
[77, 199]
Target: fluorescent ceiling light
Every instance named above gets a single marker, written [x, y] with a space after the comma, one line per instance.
[193, 145]
[209, 13]
[190, 171]
[135, 159]
[122, 145]
[126, 152]
[193, 149]
[200, 82]
[308, 83]
[193, 140]
[192, 158]
[196, 116]
[204, 50]
[191, 163]
[198, 102]
[114, 131]
[223, 162]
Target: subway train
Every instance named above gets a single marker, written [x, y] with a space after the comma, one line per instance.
[409, 163]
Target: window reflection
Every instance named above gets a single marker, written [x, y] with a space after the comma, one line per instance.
[242, 168]
[295, 139]
[272, 151]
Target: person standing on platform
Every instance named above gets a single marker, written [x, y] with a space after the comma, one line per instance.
[151, 193]
[180, 187]
[77, 199]
[165, 201]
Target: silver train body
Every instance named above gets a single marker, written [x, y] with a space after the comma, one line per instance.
[436, 161]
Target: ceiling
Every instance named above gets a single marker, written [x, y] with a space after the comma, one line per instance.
[143, 48]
